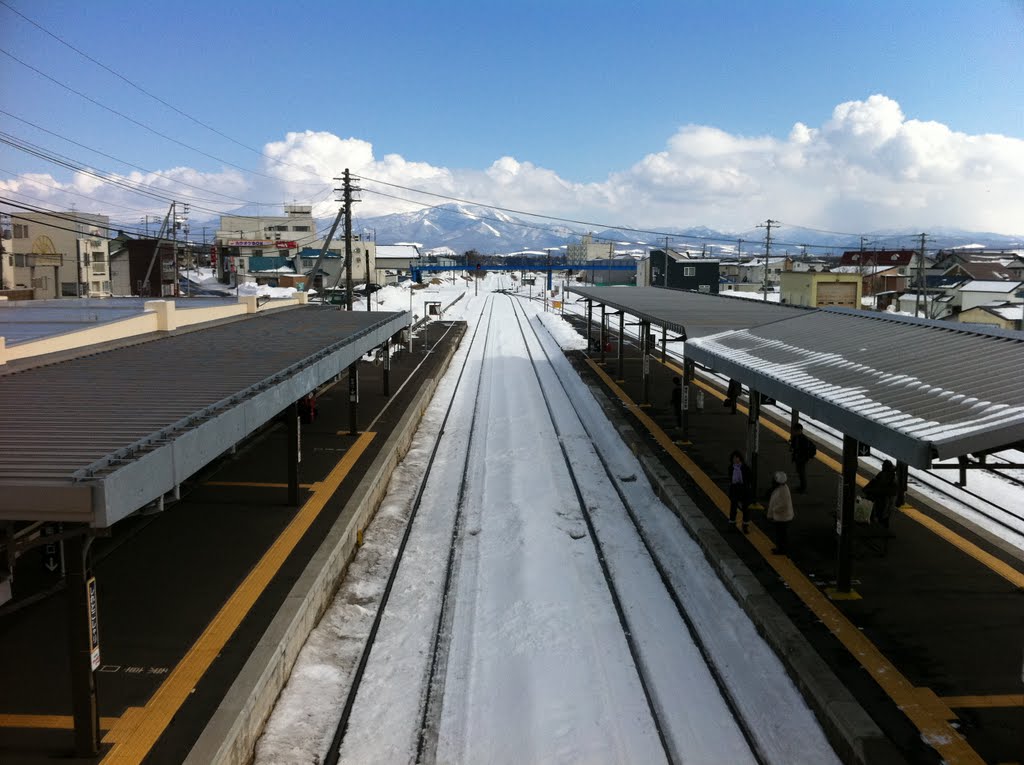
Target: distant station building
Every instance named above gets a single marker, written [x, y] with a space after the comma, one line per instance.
[63, 254]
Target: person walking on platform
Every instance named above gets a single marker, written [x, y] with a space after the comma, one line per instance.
[780, 513]
[882, 491]
[802, 450]
[740, 483]
[677, 401]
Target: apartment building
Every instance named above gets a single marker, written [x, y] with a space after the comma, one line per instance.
[63, 254]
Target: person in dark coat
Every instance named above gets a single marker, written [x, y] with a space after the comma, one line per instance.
[882, 490]
[802, 449]
[740, 484]
[677, 401]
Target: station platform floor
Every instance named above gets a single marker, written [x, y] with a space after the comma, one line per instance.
[185, 594]
[931, 643]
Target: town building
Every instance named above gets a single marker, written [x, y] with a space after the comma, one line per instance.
[144, 268]
[679, 271]
[587, 249]
[332, 267]
[818, 290]
[399, 258]
[241, 237]
[63, 254]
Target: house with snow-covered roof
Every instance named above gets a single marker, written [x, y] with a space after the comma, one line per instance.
[1005, 315]
[979, 292]
[399, 258]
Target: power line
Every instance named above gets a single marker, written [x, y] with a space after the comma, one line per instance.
[130, 164]
[157, 98]
[134, 121]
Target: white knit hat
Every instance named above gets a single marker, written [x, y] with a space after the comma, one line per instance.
[780, 477]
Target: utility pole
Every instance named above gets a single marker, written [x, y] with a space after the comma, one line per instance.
[767, 251]
[920, 277]
[347, 190]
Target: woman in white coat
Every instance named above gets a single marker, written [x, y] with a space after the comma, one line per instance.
[780, 513]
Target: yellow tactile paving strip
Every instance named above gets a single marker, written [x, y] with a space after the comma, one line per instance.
[135, 734]
[924, 709]
[256, 484]
[1004, 700]
[49, 722]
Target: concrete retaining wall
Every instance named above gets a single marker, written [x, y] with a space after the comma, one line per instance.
[230, 736]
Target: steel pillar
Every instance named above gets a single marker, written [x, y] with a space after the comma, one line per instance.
[645, 350]
[387, 367]
[844, 523]
[622, 344]
[664, 345]
[604, 332]
[294, 430]
[83, 639]
[590, 325]
[753, 439]
[688, 366]
[353, 399]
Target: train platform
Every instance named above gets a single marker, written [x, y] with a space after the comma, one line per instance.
[929, 641]
[186, 594]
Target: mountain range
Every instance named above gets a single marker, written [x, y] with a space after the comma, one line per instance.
[462, 227]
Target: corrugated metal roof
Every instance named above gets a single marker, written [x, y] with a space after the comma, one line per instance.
[693, 313]
[913, 388]
[96, 437]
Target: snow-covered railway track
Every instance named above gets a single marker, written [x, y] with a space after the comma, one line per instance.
[333, 753]
[527, 618]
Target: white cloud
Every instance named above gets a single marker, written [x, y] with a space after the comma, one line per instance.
[867, 167]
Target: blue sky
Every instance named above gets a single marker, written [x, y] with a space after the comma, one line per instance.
[582, 91]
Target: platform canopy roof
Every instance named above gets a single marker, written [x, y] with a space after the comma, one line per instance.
[95, 438]
[693, 314]
[915, 389]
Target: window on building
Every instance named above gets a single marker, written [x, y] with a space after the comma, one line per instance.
[308, 262]
[300, 228]
[99, 257]
[106, 286]
[99, 268]
[689, 270]
[20, 260]
[68, 289]
[256, 253]
[704, 288]
[21, 231]
[95, 287]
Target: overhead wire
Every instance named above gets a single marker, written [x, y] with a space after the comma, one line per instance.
[155, 97]
[131, 164]
[134, 121]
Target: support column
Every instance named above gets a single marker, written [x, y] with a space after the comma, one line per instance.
[294, 430]
[353, 399]
[794, 420]
[387, 367]
[622, 340]
[753, 441]
[645, 350]
[664, 345]
[844, 523]
[590, 325]
[687, 380]
[83, 641]
[604, 332]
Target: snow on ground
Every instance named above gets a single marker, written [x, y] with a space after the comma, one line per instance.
[773, 297]
[537, 665]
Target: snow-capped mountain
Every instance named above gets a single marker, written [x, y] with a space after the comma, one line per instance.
[465, 227]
